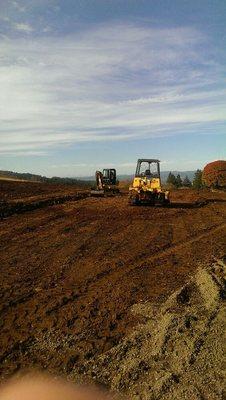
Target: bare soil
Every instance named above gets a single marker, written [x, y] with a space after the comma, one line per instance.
[72, 273]
[18, 197]
[20, 190]
[178, 352]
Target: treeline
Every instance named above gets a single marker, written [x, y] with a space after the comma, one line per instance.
[39, 178]
[177, 182]
[213, 176]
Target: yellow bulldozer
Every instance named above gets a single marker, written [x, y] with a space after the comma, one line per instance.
[146, 187]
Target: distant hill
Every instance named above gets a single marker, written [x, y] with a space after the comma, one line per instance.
[164, 176]
[7, 178]
[86, 181]
[10, 175]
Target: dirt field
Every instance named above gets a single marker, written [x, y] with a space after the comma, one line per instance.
[78, 278]
[19, 196]
[28, 191]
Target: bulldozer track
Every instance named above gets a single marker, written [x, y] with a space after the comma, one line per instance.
[180, 245]
[120, 271]
[196, 204]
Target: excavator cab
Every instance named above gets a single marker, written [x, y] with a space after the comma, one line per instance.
[109, 176]
[146, 187]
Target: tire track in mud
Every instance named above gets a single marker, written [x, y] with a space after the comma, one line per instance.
[63, 292]
[184, 243]
[162, 253]
[8, 209]
[101, 275]
[91, 282]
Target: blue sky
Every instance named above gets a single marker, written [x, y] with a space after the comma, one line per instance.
[87, 84]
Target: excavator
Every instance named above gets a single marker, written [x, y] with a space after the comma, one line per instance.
[146, 187]
[106, 183]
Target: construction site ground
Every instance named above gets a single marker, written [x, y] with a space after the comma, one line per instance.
[128, 297]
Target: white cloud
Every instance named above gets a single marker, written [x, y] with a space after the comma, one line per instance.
[116, 82]
[18, 6]
[27, 28]
[71, 165]
[26, 153]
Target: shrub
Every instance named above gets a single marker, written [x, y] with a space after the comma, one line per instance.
[214, 174]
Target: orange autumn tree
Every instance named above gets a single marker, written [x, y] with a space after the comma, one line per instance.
[214, 174]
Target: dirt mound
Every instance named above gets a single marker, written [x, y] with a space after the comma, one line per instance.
[177, 353]
[214, 174]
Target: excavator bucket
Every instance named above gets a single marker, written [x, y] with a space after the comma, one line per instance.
[96, 193]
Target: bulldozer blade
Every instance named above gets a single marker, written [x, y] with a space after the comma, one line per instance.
[97, 193]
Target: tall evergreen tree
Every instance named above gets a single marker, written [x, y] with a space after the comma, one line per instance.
[197, 181]
[186, 182]
[178, 181]
[171, 180]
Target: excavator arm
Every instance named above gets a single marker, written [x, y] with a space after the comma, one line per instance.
[99, 180]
